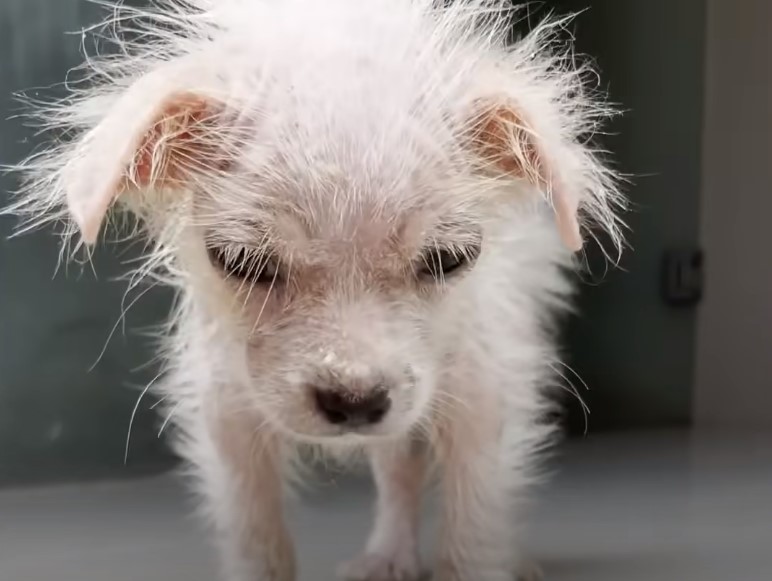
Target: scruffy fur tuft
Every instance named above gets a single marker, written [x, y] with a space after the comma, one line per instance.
[368, 208]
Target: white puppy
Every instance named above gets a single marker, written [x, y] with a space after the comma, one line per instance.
[368, 208]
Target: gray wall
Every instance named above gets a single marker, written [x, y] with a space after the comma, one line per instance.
[734, 359]
[636, 353]
[57, 419]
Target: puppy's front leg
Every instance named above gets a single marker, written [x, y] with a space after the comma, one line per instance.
[392, 550]
[242, 479]
[480, 487]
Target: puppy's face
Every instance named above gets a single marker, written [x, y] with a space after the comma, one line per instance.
[337, 290]
[327, 227]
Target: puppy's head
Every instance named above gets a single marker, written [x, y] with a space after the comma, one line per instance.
[336, 216]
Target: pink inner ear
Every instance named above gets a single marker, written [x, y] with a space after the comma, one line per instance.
[507, 141]
[178, 141]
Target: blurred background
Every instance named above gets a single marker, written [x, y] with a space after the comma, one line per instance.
[674, 346]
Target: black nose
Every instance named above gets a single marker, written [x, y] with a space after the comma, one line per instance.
[346, 408]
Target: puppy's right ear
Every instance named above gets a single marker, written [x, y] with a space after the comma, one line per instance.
[144, 142]
[508, 142]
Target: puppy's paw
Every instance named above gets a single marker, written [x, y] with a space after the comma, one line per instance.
[377, 567]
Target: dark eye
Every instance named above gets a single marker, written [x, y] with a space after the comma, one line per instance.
[440, 263]
[245, 264]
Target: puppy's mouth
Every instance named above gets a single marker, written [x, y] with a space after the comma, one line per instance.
[324, 433]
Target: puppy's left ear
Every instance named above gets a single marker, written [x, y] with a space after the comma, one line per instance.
[146, 142]
[508, 143]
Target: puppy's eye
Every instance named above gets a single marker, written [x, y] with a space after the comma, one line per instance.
[440, 263]
[245, 264]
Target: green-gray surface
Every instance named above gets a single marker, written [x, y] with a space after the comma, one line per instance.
[58, 420]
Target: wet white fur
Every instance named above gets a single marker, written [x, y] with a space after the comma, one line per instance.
[343, 122]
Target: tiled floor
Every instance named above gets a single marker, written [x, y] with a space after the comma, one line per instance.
[656, 507]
